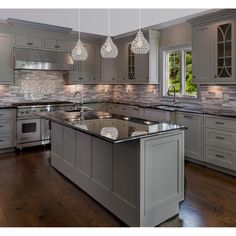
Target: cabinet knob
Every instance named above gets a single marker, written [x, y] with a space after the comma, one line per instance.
[113, 78]
[123, 78]
[146, 77]
[215, 76]
[94, 78]
[29, 43]
[194, 77]
[56, 46]
[80, 78]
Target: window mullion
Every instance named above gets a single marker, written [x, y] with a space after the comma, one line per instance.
[183, 73]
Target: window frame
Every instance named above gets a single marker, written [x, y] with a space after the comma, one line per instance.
[164, 72]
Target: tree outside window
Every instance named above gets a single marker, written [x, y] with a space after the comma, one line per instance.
[177, 71]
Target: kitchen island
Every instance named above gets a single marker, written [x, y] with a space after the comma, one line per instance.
[133, 167]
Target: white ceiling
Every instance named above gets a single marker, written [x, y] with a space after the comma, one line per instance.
[95, 20]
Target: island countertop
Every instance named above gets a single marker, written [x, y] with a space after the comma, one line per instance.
[110, 127]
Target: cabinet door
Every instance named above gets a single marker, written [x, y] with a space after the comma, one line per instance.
[122, 63]
[55, 44]
[6, 70]
[108, 70]
[96, 76]
[142, 67]
[193, 135]
[223, 51]
[202, 40]
[29, 41]
[157, 115]
[85, 67]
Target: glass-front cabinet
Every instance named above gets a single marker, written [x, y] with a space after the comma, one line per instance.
[224, 52]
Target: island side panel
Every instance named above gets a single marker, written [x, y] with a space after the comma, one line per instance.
[162, 177]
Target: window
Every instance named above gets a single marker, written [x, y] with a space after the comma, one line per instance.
[177, 71]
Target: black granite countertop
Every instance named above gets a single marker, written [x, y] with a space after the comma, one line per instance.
[110, 127]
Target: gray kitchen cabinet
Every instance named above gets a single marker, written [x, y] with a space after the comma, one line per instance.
[108, 71]
[7, 130]
[88, 71]
[29, 41]
[122, 63]
[201, 47]
[223, 53]
[56, 44]
[6, 64]
[159, 115]
[193, 134]
[220, 142]
[137, 69]
[214, 48]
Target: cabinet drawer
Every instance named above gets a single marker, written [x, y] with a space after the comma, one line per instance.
[7, 126]
[157, 115]
[54, 44]
[220, 122]
[219, 157]
[137, 112]
[7, 114]
[124, 110]
[7, 141]
[221, 138]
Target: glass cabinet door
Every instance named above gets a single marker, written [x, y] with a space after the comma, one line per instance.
[224, 51]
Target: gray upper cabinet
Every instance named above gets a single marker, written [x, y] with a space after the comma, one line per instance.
[137, 69]
[29, 41]
[55, 44]
[6, 64]
[88, 71]
[224, 43]
[122, 63]
[108, 70]
[202, 54]
[214, 48]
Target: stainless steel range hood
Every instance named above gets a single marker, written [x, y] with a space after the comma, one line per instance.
[34, 59]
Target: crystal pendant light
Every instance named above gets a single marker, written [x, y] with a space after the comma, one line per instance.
[140, 45]
[79, 53]
[109, 49]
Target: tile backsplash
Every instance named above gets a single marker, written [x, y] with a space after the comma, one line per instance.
[49, 85]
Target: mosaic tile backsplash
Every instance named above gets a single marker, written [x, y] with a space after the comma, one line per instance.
[47, 85]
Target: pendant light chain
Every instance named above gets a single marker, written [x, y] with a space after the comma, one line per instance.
[139, 18]
[79, 21]
[109, 23]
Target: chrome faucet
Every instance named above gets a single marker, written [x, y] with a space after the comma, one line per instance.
[81, 97]
[168, 93]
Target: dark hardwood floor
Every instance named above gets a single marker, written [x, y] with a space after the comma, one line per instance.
[32, 193]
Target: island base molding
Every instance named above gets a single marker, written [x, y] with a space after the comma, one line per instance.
[139, 181]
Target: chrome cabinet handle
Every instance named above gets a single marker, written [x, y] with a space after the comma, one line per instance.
[30, 44]
[221, 156]
[1, 114]
[218, 137]
[80, 78]
[188, 117]
[56, 46]
[219, 123]
[194, 77]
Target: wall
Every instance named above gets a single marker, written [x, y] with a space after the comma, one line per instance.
[47, 85]
[176, 35]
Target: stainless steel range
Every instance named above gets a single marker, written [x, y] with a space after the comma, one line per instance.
[32, 130]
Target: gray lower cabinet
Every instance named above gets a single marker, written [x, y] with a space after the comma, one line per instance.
[29, 41]
[6, 63]
[220, 141]
[193, 134]
[141, 181]
[7, 129]
[159, 115]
